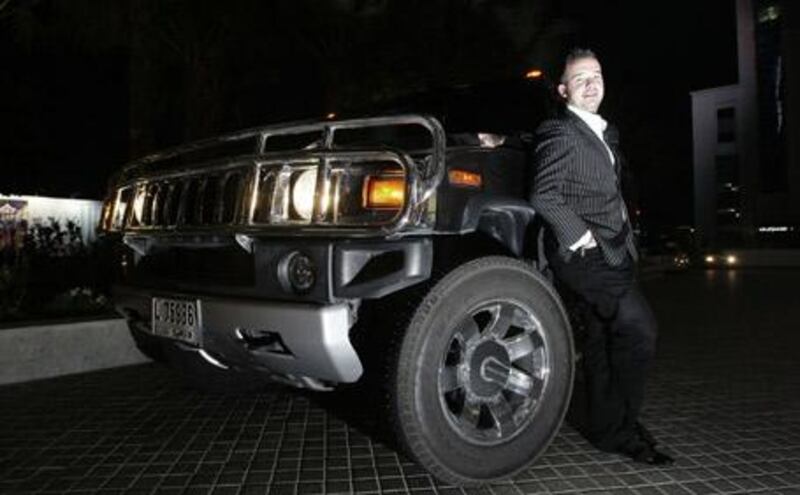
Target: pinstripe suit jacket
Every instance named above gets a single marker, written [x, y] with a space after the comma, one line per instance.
[577, 188]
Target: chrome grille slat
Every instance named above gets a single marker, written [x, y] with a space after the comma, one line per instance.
[250, 195]
[232, 195]
[279, 213]
[189, 202]
[158, 205]
[148, 204]
[172, 205]
[180, 207]
[205, 213]
[219, 200]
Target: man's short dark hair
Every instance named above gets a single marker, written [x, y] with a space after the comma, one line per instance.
[573, 55]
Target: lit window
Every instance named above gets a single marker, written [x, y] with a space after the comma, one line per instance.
[769, 14]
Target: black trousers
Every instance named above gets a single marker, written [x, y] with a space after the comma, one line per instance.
[618, 345]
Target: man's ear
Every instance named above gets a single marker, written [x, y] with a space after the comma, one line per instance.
[562, 90]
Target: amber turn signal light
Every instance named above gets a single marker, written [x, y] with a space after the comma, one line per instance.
[534, 74]
[464, 178]
[384, 192]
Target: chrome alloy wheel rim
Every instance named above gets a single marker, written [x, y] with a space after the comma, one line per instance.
[494, 372]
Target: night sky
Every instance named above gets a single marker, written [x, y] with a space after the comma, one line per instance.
[67, 105]
[654, 54]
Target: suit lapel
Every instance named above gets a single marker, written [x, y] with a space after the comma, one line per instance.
[612, 138]
[592, 137]
[617, 160]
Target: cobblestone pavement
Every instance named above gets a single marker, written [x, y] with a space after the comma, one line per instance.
[724, 399]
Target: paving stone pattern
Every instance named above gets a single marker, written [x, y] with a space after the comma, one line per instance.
[724, 399]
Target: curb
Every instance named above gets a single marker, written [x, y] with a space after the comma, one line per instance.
[49, 350]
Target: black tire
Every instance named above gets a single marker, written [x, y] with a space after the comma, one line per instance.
[483, 373]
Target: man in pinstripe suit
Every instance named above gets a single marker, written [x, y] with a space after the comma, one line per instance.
[589, 245]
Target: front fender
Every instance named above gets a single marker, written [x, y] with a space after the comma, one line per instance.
[505, 219]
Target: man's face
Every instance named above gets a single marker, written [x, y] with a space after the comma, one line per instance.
[582, 84]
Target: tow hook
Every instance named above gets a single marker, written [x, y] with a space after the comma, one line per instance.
[262, 341]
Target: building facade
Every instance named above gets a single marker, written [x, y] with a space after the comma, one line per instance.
[747, 136]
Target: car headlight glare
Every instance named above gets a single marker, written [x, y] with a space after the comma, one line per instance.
[138, 205]
[303, 193]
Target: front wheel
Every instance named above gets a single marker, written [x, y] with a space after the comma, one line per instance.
[484, 372]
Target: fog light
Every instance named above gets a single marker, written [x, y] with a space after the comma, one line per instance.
[297, 272]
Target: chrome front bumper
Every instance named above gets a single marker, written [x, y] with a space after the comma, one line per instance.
[296, 340]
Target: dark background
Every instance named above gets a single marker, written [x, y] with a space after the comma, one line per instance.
[86, 85]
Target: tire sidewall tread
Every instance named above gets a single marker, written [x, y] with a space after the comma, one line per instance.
[418, 347]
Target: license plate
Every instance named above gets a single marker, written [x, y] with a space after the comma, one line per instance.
[177, 319]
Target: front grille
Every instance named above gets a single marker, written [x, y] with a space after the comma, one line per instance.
[286, 176]
[316, 190]
[198, 200]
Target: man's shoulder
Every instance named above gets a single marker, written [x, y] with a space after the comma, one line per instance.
[555, 126]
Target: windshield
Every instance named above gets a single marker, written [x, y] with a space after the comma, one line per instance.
[503, 107]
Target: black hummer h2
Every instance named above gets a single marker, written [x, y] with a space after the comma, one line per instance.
[390, 247]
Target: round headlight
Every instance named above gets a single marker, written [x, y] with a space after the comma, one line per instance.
[303, 193]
